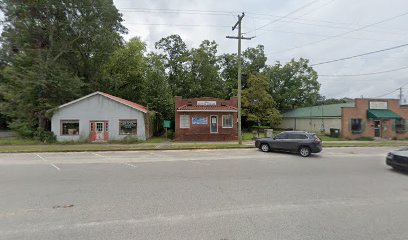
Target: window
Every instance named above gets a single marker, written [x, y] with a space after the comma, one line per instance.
[400, 125]
[128, 127]
[99, 126]
[69, 127]
[227, 121]
[184, 121]
[356, 125]
[297, 136]
[281, 136]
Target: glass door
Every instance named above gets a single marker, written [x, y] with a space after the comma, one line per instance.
[214, 124]
[377, 128]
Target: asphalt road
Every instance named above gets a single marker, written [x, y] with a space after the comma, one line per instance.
[342, 193]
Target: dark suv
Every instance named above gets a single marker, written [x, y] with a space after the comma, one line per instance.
[301, 142]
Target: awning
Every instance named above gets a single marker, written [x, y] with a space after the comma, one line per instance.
[382, 114]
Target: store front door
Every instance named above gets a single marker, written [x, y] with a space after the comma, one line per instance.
[377, 128]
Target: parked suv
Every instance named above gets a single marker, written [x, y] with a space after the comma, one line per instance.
[301, 142]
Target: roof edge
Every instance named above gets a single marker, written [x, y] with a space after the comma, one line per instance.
[102, 94]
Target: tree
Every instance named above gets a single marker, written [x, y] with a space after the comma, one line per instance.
[159, 97]
[29, 97]
[229, 73]
[294, 84]
[258, 105]
[253, 62]
[204, 71]
[176, 57]
[126, 71]
[54, 50]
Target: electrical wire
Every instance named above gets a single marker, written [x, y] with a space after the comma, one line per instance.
[360, 55]
[342, 34]
[285, 16]
[364, 74]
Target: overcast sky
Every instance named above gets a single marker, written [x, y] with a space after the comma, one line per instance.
[313, 29]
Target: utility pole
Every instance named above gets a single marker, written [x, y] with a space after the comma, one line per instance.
[400, 95]
[239, 37]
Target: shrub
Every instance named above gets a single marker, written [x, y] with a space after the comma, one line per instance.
[44, 136]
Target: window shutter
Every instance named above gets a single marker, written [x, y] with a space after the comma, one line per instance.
[363, 125]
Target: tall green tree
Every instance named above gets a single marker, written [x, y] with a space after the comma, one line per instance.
[126, 71]
[294, 84]
[54, 50]
[176, 61]
[158, 96]
[258, 105]
[253, 62]
[229, 73]
[204, 71]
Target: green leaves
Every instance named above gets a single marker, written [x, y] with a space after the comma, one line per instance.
[294, 84]
[52, 53]
[257, 104]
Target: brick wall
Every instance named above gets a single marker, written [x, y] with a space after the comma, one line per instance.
[201, 132]
[360, 111]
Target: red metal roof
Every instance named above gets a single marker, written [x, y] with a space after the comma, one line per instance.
[207, 108]
[126, 102]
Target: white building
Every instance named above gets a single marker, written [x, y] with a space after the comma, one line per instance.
[100, 117]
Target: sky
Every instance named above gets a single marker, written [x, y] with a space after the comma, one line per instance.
[319, 30]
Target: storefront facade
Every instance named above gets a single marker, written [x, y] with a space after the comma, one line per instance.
[206, 119]
[380, 118]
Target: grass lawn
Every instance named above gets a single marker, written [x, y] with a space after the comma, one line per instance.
[19, 141]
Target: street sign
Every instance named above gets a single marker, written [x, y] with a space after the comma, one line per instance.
[166, 123]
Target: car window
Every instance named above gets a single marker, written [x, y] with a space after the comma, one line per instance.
[281, 136]
[297, 136]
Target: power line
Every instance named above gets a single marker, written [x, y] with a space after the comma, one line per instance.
[285, 16]
[344, 33]
[388, 93]
[383, 95]
[364, 74]
[360, 55]
[299, 17]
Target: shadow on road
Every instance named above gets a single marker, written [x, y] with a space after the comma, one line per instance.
[399, 171]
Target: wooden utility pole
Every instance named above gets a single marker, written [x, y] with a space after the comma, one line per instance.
[239, 37]
[400, 95]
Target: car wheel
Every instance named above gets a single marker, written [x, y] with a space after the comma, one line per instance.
[304, 151]
[265, 147]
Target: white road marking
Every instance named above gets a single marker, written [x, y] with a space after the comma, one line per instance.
[98, 155]
[129, 164]
[52, 164]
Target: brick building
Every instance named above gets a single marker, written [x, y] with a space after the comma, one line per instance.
[206, 119]
[384, 118]
[364, 117]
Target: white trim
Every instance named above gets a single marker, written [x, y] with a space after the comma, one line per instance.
[211, 123]
[102, 94]
[189, 122]
[232, 121]
[206, 110]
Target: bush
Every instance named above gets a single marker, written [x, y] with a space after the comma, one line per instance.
[44, 136]
[170, 134]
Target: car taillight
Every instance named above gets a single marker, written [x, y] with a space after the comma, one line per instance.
[317, 140]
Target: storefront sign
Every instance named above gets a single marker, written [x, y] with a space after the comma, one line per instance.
[198, 120]
[206, 103]
[378, 105]
[128, 123]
